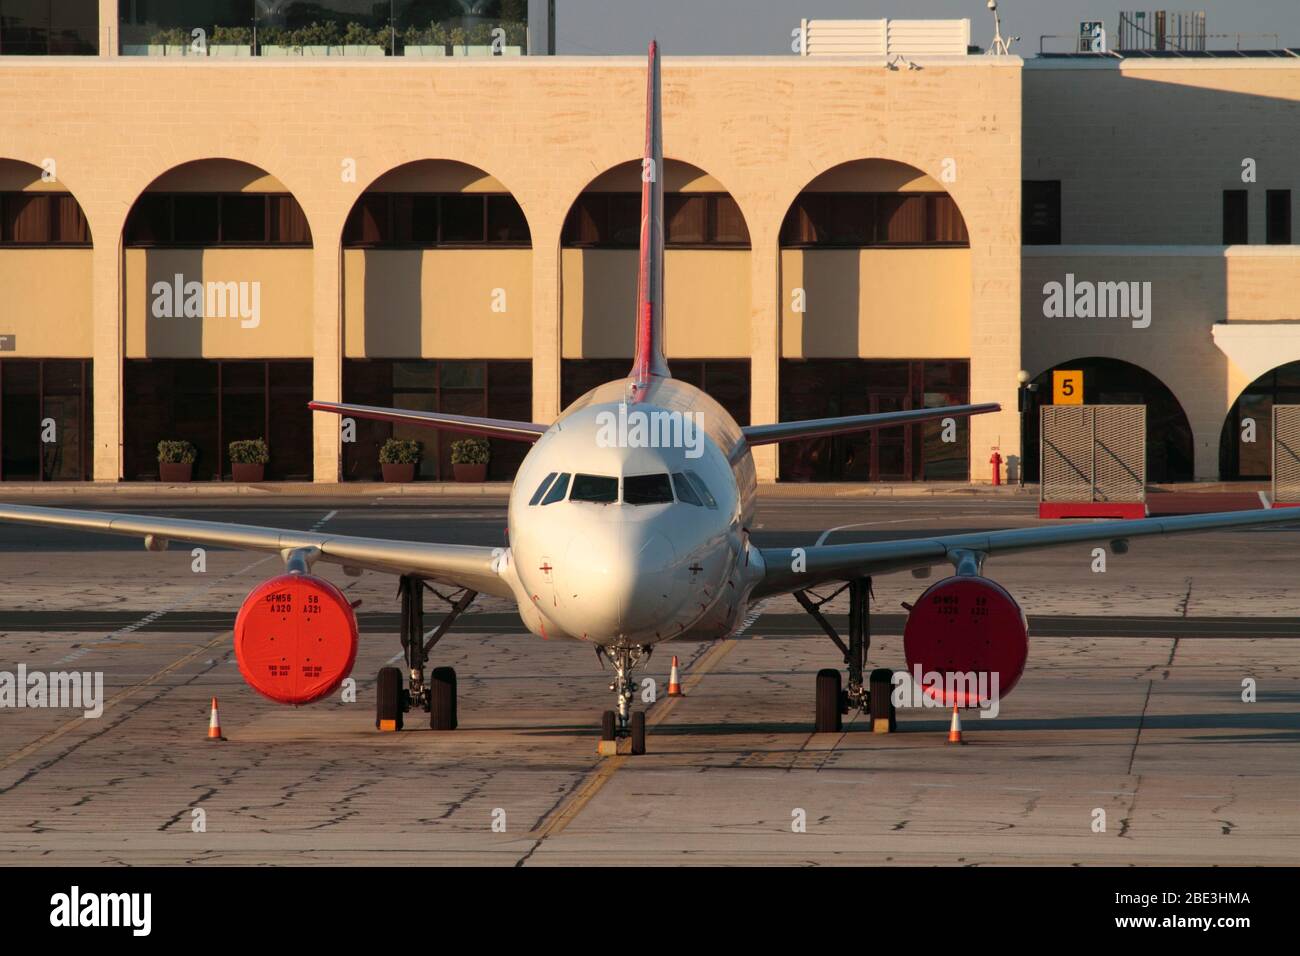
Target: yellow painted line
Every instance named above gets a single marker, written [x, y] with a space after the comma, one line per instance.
[117, 698]
[562, 816]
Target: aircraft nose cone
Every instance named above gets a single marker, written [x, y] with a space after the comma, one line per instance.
[620, 583]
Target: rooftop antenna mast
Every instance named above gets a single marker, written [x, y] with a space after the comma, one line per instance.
[1001, 46]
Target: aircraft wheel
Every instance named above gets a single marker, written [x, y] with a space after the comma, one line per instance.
[608, 723]
[882, 697]
[828, 702]
[638, 732]
[388, 699]
[442, 699]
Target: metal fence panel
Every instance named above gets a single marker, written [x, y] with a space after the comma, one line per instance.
[1286, 453]
[1093, 453]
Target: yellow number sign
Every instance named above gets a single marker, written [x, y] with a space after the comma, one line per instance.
[1067, 387]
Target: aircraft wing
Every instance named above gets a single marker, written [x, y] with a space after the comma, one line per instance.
[819, 427]
[841, 562]
[457, 565]
[487, 427]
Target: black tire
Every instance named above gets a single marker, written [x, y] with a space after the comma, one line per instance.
[882, 697]
[608, 721]
[638, 732]
[828, 702]
[388, 697]
[442, 699]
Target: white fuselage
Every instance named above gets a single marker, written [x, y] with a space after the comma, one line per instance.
[629, 526]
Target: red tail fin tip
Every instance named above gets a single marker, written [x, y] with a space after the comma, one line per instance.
[649, 361]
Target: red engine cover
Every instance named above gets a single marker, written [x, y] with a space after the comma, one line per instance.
[295, 638]
[967, 625]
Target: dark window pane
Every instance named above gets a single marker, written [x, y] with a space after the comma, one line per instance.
[557, 490]
[1277, 221]
[647, 490]
[944, 223]
[1234, 217]
[598, 489]
[701, 489]
[1040, 212]
[70, 221]
[541, 489]
[901, 220]
[243, 218]
[587, 220]
[195, 219]
[624, 221]
[367, 224]
[150, 221]
[20, 419]
[506, 221]
[685, 491]
[728, 224]
[288, 222]
[685, 219]
[462, 219]
[289, 436]
[27, 218]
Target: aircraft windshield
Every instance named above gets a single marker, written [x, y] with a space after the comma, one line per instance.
[599, 489]
[557, 490]
[647, 490]
[686, 491]
[541, 489]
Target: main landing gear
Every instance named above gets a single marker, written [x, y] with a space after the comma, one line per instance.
[624, 722]
[438, 695]
[873, 697]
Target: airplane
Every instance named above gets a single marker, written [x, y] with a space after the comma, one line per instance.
[628, 526]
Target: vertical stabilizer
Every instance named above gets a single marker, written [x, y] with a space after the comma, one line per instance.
[649, 361]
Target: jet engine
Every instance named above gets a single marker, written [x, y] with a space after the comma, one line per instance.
[971, 633]
[295, 638]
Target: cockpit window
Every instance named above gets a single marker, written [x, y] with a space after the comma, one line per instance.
[599, 489]
[557, 490]
[702, 488]
[685, 492]
[647, 490]
[541, 489]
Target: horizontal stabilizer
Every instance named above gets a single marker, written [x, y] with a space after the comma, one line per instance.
[487, 427]
[819, 427]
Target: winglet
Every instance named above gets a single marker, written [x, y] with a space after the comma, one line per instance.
[649, 361]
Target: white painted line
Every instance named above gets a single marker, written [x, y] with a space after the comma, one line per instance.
[860, 524]
[1264, 502]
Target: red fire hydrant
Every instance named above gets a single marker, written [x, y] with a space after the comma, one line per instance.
[996, 461]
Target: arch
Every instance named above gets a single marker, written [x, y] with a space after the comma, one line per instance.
[1240, 460]
[20, 176]
[218, 304]
[1112, 381]
[707, 281]
[439, 174]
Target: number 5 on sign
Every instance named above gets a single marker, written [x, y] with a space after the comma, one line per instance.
[1067, 387]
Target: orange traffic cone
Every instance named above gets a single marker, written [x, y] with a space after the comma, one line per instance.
[954, 732]
[674, 687]
[214, 723]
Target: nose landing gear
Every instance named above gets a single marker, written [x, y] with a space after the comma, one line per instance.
[623, 722]
[438, 695]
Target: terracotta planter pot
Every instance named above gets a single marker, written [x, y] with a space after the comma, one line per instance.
[469, 472]
[243, 472]
[398, 472]
[171, 472]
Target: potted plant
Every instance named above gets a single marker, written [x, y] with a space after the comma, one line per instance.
[398, 459]
[231, 41]
[360, 40]
[469, 459]
[248, 460]
[172, 41]
[175, 460]
[429, 41]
